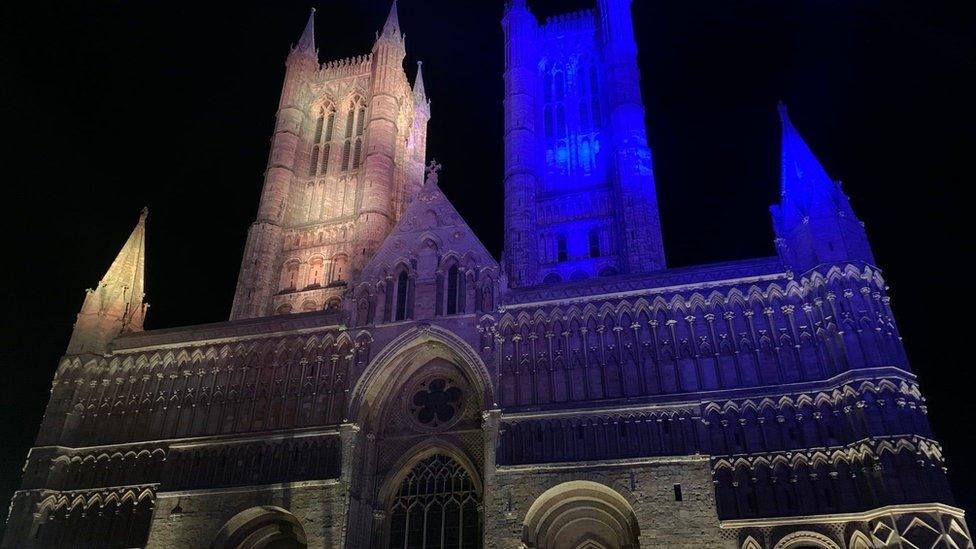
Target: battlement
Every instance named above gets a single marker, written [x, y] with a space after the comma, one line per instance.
[576, 21]
[348, 66]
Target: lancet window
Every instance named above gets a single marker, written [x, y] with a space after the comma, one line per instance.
[355, 126]
[322, 138]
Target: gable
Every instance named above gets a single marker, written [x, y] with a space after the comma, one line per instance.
[430, 227]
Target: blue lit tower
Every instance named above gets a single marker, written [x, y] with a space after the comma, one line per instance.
[579, 188]
[814, 221]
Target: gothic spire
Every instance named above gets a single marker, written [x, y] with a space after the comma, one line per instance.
[814, 221]
[419, 93]
[802, 175]
[392, 26]
[116, 305]
[306, 44]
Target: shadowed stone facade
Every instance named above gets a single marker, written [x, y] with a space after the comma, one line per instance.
[384, 382]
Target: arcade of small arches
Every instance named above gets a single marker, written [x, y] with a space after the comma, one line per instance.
[86, 519]
[266, 384]
[783, 334]
[314, 272]
[459, 286]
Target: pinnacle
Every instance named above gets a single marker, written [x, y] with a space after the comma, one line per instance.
[418, 84]
[306, 44]
[392, 25]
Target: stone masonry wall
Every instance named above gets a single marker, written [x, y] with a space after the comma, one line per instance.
[647, 484]
[320, 506]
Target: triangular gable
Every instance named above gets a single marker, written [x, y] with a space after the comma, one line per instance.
[431, 216]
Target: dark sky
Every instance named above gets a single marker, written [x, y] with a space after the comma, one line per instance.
[110, 106]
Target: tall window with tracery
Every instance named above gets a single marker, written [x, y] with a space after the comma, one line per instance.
[455, 291]
[402, 296]
[352, 146]
[572, 118]
[322, 139]
[436, 506]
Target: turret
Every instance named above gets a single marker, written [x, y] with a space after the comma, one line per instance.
[116, 305]
[639, 225]
[521, 256]
[256, 280]
[378, 215]
[814, 222]
[417, 147]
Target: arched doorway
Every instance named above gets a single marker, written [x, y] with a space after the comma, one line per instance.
[263, 527]
[437, 505]
[581, 514]
[419, 407]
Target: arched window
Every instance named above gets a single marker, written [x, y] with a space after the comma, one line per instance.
[350, 119]
[361, 120]
[322, 139]
[330, 125]
[548, 121]
[436, 506]
[319, 124]
[562, 253]
[357, 152]
[313, 168]
[585, 156]
[452, 290]
[315, 273]
[403, 282]
[346, 152]
[355, 126]
[560, 121]
[594, 242]
[289, 276]
[338, 268]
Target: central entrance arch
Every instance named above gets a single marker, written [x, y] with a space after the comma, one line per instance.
[419, 407]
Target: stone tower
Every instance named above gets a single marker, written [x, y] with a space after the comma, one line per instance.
[579, 186]
[346, 157]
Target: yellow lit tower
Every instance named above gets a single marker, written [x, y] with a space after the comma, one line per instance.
[346, 157]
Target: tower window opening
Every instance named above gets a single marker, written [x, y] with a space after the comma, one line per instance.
[350, 119]
[357, 152]
[346, 153]
[330, 126]
[594, 240]
[561, 251]
[326, 151]
[677, 493]
[360, 120]
[452, 290]
[401, 296]
[319, 122]
[314, 165]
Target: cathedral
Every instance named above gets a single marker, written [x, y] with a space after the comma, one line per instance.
[383, 381]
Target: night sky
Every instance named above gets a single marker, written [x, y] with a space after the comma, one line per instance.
[110, 106]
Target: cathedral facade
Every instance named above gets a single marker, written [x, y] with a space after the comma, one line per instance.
[384, 381]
